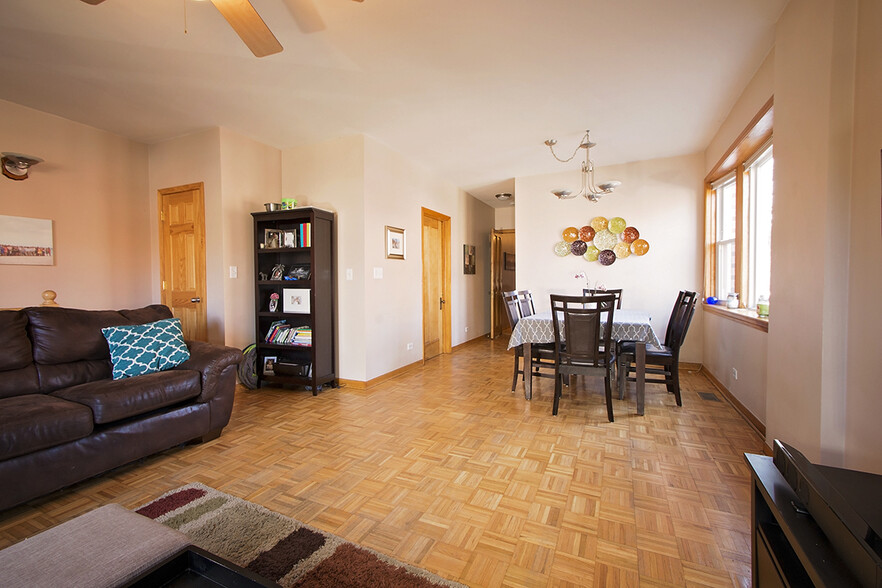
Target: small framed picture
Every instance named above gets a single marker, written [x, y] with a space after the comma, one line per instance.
[508, 261]
[394, 243]
[468, 259]
[269, 365]
[272, 238]
[295, 300]
[290, 239]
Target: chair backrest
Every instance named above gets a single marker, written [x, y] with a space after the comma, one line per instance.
[583, 329]
[617, 292]
[525, 301]
[512, 307]
[681, 318]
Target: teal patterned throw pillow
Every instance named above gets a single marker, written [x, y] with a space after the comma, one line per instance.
[144, 349]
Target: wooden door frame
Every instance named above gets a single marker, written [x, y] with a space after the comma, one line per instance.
[164, 270]
[446, 338]
[496, 267]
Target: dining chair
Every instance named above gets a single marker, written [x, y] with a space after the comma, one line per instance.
[594, 292]
[583, 341]
[519, 304]
[663, 362]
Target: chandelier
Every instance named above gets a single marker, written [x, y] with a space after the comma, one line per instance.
[590, 190]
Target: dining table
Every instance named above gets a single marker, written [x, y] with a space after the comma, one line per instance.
[628, 325]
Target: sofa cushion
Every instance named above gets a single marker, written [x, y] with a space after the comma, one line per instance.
[113, 400]
[35, 421]
[64, 335]
[14, 340]
[144, 349]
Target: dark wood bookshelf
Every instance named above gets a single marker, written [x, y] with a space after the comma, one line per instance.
[313, 366]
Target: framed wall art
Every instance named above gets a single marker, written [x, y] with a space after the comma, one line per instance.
[26, 241]
[468, 259]
[394, 243]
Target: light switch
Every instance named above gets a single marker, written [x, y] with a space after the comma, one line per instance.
[234, 271]
[378, 273]
[348, 273]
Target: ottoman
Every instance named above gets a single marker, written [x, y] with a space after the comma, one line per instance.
[108, 546]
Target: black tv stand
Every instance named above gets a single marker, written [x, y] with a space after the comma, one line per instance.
[799, 534]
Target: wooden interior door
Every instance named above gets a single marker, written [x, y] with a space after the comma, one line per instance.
[182, 257]
[436, 283]
[498, 320]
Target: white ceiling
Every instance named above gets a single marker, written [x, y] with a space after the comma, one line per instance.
[469, 89]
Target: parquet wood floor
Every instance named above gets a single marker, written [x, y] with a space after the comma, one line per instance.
[443, 467]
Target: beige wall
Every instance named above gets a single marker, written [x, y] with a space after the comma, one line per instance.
[238, 175]
[91, 185]
[188, 160]
[662, 198]
[330, 175]
[863, 404]
[370, 186]
[806, 385]
[251, 174]
[729, 344]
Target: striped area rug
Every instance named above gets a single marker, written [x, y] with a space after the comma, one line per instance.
[279, 548]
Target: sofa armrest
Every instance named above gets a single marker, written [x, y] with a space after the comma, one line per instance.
[210, 360]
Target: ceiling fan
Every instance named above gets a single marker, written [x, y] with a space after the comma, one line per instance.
[250, 27]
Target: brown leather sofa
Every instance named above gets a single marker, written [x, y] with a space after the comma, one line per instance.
[63, 419]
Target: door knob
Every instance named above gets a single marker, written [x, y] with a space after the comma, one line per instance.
[195, 300]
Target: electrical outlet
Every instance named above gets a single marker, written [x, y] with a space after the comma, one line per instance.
[378, 273]
[234, 271]
[348, 273]
[734, 373]
[409, 346]
[467, 329]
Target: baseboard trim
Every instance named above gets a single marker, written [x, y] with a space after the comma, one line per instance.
[754, 422]
[471, 341]
[359, 385]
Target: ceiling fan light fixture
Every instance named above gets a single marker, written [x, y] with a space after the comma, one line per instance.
[15, 166]
[503, 196]
[590, 190]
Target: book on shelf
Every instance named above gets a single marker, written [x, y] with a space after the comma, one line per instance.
[281, 333]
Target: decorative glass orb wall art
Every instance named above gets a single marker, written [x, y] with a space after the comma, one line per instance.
[603, 240]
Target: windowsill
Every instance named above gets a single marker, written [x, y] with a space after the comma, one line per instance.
[739, 315]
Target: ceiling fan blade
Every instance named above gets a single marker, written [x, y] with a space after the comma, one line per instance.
[249, 26]
[306, 15]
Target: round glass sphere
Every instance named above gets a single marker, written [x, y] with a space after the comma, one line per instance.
[622, 249]
[586, 233]
[599, 223]
[630, 234]
[570, 234]
[605, 240]
[578, 247]
[561, 248]
[606, 257]
[639, 247]
[591, 253]
[617, 224]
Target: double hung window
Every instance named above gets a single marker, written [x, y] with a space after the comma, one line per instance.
[738, 232]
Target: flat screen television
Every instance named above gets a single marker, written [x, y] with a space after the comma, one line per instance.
[845, 504]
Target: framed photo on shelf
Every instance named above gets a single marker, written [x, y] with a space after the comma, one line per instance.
[295, 300]
[394, 243]
[289, 239]
[269, 365]
[272, 238]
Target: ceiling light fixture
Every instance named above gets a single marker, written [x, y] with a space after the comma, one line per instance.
[590, 190]
[503, 196]
[15, 165]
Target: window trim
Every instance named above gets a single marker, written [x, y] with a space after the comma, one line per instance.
[752, 140]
